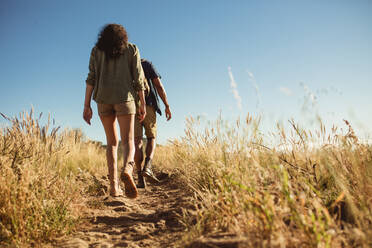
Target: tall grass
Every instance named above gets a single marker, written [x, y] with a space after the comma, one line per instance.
[294, 188]
[43, 173]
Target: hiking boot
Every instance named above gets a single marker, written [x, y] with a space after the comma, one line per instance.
[147, 171]
[127, 177]
[141, 181]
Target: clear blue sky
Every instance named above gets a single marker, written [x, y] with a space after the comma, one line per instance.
[288, 49]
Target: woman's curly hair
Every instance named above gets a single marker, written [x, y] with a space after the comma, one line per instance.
[113, 40]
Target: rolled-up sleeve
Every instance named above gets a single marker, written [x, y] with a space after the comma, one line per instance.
[137, 71]
[91, 78]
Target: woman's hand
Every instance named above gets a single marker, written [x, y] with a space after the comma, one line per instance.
[87, 114]
[141, 113]
[142, 106]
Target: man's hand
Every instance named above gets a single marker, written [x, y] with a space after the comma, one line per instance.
[159, 87]
[141, 113]
[87, 114]
[168, 113]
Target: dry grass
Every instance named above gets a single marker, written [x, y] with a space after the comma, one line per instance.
[42, 176]
[292, 188]
[295, 188]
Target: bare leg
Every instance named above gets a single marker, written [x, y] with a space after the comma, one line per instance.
[150, 151]
[109, 124]
[126, 123]
[150, 148]
[138, 157]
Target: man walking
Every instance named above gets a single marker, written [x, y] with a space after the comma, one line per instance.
[149, 123]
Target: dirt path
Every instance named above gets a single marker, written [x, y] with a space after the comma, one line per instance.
[151, 220]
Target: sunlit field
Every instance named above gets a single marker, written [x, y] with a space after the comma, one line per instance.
[43, 173]
[296, 188]
[293, 188]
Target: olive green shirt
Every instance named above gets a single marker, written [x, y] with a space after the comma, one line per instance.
[115, 80]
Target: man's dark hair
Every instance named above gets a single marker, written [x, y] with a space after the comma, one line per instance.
[113, 40]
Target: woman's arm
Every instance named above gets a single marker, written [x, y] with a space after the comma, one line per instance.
[139, 82]
[137, 71]
[90, 81]
[142, 107]
[88, 113]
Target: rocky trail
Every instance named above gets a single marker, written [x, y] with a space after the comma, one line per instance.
[153, 219]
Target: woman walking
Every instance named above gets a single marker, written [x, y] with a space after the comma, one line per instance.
[115, 79]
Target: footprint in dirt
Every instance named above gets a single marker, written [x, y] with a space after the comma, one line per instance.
[114, 203]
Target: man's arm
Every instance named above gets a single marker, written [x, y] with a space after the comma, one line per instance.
[161, 91]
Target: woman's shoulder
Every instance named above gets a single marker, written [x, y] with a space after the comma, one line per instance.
[131, 45]
[132, 48]
[94, 50]
[97, 53]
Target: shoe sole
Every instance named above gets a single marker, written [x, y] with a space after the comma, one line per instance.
[129, 186]
[150, 177]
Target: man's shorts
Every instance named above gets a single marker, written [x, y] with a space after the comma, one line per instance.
[149, 123]
[125, 108]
